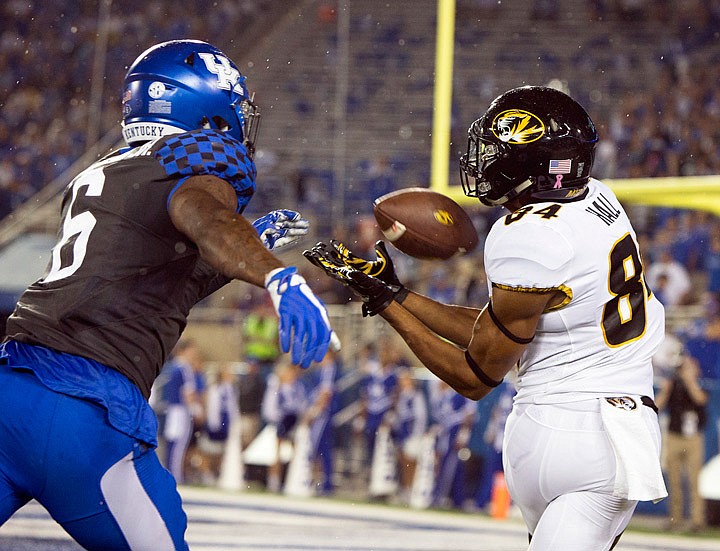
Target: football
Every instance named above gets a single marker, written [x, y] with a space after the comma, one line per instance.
[425, 224]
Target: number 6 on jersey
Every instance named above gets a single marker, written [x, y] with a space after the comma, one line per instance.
[75, 229]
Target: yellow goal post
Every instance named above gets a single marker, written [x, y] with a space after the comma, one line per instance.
[685, 192]
[690, 192]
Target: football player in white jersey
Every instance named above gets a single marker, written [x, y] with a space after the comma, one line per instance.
[569, 309]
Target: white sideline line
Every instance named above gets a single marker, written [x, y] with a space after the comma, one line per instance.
[224, 521]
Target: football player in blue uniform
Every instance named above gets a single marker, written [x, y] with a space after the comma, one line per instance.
[146, 233]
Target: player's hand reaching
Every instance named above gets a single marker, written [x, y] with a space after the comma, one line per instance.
[280, 228]
[327, 259]
[304, 325]
[382, 267]
[374, 292]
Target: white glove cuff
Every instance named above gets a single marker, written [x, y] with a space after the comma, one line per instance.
[272, 274]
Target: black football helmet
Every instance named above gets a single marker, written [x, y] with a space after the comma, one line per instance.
[532, 139]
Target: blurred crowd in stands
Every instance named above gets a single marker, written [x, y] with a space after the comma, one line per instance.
[50, 60]
[402, 439]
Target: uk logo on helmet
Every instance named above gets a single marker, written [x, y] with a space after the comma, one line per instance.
[227, 75]
[515, 126]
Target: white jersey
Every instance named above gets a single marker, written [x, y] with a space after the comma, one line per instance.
[600, 340]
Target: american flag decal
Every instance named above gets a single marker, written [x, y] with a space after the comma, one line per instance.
[563, 166]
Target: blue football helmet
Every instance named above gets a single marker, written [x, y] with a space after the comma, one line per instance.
[183, 85]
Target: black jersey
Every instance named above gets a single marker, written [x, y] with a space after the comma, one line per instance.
[122, 279]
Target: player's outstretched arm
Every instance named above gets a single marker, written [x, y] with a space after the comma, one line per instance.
[498, 340]
[451, 322]
[203, 208]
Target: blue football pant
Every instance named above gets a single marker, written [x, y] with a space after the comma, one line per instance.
[106, 489]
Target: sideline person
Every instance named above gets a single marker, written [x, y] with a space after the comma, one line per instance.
[685, 402]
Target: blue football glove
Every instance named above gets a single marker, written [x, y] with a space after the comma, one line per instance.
[303, 317]
[280, 228]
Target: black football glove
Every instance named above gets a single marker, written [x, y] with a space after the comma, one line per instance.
[327, 260]
[375, 293]
[382, 267]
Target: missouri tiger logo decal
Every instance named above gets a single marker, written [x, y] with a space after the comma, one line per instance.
[516, 126]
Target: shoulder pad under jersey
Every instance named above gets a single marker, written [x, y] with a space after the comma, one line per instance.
[527, 254]
[211, 152]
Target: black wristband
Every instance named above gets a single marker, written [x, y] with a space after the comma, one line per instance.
[505, 330]
[401, 294]
[375, 305]
[479, 373]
